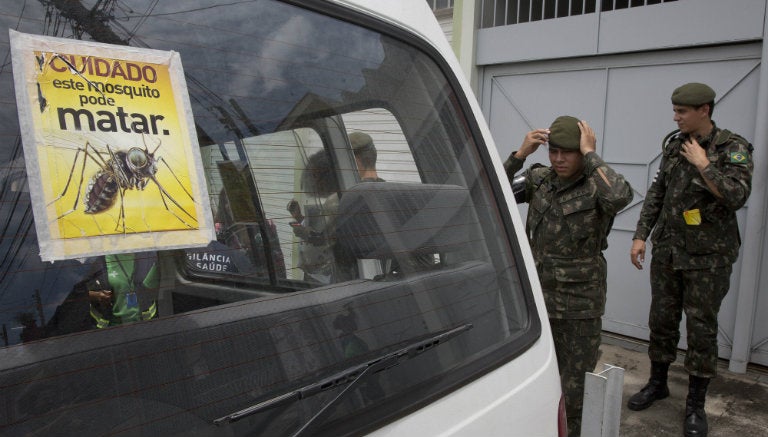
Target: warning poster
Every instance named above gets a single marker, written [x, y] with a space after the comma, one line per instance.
[109, 142]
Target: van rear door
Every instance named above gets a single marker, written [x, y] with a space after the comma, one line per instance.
[414, 278]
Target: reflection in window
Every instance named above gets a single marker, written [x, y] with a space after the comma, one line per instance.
[271, 167]
[298, 180]
[394, 157]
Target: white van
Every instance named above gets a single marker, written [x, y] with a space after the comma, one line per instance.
[329, 302]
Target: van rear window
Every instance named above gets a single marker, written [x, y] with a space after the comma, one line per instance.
[354, 215]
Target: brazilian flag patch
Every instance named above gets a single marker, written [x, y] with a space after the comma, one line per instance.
[739, 158]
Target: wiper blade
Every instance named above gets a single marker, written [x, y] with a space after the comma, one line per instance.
[350, 376]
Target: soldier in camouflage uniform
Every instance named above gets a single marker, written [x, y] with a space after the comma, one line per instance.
[705, 175]
[571, 209]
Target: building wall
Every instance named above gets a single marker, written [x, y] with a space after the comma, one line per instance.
[617, 69]
[653, 27]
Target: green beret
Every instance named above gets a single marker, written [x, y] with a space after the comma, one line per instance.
[693, 94]
[565, 133]
[360, 141]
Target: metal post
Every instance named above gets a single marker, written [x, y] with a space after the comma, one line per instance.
[602, 402]
[465, 14]
[752, 253]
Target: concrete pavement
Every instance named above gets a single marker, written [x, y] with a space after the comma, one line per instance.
[737, 404]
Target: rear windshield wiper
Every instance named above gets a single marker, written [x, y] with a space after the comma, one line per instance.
[350, 376]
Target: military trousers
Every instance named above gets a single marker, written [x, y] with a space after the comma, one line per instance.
[699, 294]
[577, 344]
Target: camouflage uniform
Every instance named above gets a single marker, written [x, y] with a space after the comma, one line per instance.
[691, 263]
[567, 225]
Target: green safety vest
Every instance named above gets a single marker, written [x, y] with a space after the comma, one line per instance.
[121, 272]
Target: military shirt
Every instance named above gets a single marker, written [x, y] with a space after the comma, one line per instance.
[692, 228]
[567, 225]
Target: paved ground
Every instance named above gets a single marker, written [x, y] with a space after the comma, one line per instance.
[737, 404]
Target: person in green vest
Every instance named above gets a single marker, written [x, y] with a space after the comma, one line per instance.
[125, 290]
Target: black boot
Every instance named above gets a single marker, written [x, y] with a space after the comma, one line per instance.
[655, 389]
[695, 424]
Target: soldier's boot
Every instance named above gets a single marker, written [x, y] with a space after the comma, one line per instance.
[655, 389]
[695, 424]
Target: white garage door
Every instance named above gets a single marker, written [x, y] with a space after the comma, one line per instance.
[626, 99]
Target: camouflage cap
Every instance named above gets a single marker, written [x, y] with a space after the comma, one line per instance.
[360, 141]
[693, 94]
[565, 133]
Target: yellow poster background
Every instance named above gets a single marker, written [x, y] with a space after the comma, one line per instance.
[98, 94]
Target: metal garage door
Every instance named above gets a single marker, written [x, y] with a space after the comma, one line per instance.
[626, 99]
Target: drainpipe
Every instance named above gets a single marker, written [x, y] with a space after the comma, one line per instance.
[752, 256]
[465, 16]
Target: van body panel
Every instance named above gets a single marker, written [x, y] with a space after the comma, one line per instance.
[503, 402]
[398, 304]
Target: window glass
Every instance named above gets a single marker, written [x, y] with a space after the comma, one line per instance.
[275, 117]
[257, 177]
[394, 158]
[299, 210]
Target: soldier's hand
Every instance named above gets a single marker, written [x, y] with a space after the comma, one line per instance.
[295, 209]
[637, 254]
[588, 142]
[695, 154]
[100, 297]
[300, 231]
[531, 142]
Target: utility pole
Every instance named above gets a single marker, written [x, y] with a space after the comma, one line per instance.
[91, 23]
[39, 306]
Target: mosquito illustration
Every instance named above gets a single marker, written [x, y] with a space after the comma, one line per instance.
[124, 170]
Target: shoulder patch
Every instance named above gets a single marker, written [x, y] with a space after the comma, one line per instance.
[738, 158]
